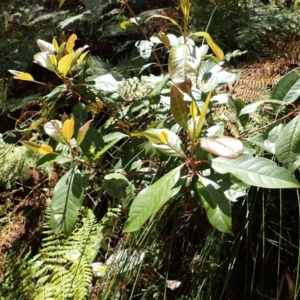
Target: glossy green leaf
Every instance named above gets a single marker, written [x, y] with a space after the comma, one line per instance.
[178, 107]
[287, 147]
[256, 171]
[288, 87]
[67, 198]
[232, 187]
[271, 136]
[115, 185]
[255, 106]
[215, 203]
[151, 199]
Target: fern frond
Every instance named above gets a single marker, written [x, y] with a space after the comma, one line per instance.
[48, 16]
[70, 20]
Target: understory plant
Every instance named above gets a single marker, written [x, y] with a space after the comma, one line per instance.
[154, 145]
[212, 167]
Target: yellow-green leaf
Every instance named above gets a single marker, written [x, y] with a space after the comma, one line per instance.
[24, 76]
[61, 2]
[152, 137]
[71, 43]
[164, 137]
[82, 132]
[68, 128]
[45, 149]
[185, 7]
[214, 47]
[165, 17]
[125, 24]
[64, 118]
[194, 109]
[55, 45]
[31, 146]
[53, 59]
[81, 57]
[195, 124]
[64, 65]
[164, 39]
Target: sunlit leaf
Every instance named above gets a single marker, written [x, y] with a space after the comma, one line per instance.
[193, 109]
[31, 145]
[224, 146]
[53, 60]
[68, 129]
[163, 136]
[185, 7]
[65, 64]
[287, 88]
[24, 76]
[255, 106]
[151, 199]
[172, 145]
[45, 149]
[256, 171]
[43, 59]
[55, 45]
[82, 57]
[195, 125]
[287, 146]
[214, 47]
[71, 43]
[53, 129]
[45, 46]
[184, 62]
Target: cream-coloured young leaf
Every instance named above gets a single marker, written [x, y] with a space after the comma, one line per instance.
[223, 146]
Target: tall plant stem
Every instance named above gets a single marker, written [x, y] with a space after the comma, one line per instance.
[142, 31]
